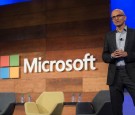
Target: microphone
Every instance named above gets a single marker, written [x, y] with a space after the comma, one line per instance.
[121, 39]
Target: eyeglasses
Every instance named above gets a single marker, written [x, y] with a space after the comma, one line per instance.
[117, 16]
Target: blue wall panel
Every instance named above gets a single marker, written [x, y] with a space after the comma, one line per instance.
[128, 6]
[5, 2]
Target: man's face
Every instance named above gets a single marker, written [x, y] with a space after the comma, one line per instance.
[118, 18]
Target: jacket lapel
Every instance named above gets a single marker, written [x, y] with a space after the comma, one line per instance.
[127, 38]
[113, 40]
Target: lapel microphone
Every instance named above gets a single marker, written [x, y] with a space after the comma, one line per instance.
[121, 39]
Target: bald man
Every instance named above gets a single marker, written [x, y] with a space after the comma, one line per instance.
[119, 53]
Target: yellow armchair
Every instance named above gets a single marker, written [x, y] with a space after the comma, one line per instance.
[48, 103]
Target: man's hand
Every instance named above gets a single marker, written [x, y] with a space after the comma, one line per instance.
[118, 54]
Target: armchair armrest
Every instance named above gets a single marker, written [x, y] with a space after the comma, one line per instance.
[84, 108]
[7, 108]
[53, 108]
[31, 107]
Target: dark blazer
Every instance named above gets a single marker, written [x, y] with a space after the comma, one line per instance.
[110, 46]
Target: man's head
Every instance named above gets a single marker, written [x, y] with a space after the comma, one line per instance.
[118, 17]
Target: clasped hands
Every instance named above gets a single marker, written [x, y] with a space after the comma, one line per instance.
[118, 54]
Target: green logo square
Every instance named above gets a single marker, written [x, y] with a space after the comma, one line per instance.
[14, 60]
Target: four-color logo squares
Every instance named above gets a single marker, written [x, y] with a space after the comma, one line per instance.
[9, 66]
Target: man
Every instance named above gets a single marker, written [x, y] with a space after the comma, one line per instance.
[119, 52]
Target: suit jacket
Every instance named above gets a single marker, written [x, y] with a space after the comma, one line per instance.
[110, 46]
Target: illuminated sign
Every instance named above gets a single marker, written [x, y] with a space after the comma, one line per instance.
[37, 65]
[9, 65]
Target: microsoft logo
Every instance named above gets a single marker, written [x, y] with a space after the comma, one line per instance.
[9, 66]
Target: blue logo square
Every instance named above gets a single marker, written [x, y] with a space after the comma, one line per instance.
[4, 72]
